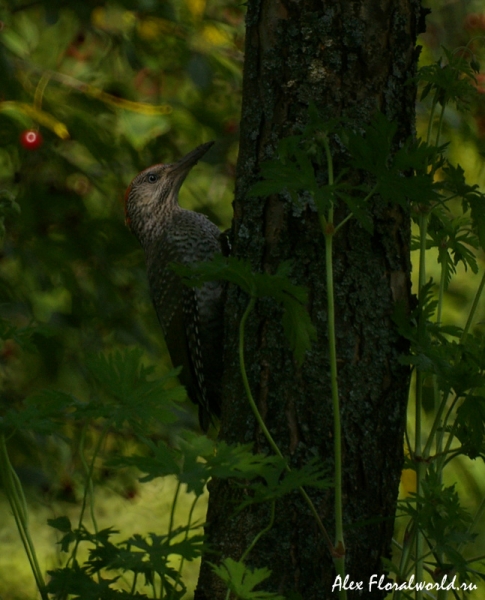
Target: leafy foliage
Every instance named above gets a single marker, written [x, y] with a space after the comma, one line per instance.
[451, 83]
[242, 580]
[133, 399]
[299, 329]
[142, 556]
[136, 400]
[198, 459]
[438, 512]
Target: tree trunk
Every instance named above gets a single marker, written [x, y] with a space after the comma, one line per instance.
[349, 58]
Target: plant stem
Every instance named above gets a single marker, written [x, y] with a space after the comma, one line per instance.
[473, 309]
[439, 400]
[342, 222]
[261, 533]
[16, 499]
[350, 215]
[440, 124]
[476, 519]
[441, 294]
[247, 388]
[262, 424]
[405, 554]
[418, 450]
[337, 428]
[437, 423]
[88, 488]
[172, 508]
[329, 232]
[256, 539]
[430, 121]
[182, 560]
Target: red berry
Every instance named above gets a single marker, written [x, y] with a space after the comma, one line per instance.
[31, 139]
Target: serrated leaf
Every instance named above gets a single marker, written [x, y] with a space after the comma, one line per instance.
[43, 413]
[241, 580]
[135, 398]
[278, 482]
[297, 324]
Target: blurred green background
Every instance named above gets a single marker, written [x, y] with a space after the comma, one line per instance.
[456, 25]
[113, 87]
[87, 76]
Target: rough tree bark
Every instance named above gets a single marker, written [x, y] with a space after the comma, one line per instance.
[350, 58]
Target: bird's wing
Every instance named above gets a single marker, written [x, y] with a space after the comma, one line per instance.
[197, 360]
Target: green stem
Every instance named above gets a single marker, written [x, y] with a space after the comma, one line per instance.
[182, 560]
[473, 309]
[169, 534]
[329, 157]
[89, 487]
[16, 499]
[473, 559]
[342, 222]
[256, 539]
[430, 122]
[476, 519]
[247, 388]
[172, 509]
[329, 231]
[133, 587]
[323, 221]
[440, 124]
[446, 451]
[437, 423]
[439, 400]
[261, 533]
[337, 433]
[418, 449]
[264, 429]
[405, 554]
[443, 278]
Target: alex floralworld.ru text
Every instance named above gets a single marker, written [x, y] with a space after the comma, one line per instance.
[380, 583]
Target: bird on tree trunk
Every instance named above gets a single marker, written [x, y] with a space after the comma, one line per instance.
[191, 318]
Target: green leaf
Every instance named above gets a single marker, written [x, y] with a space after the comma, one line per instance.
[298, 328]
[242, 580]
[75, 580]
[278, 482]
[470, 425]
[43, 413]
[198, 459]
[370, 150]
[133, 398]
[453, 82]
[62, 524]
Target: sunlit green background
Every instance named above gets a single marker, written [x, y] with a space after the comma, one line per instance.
[68, 262]
[454, 25]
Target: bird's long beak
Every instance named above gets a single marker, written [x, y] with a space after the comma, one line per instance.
[184, 165]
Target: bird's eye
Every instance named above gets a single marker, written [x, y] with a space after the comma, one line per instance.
[152, 178]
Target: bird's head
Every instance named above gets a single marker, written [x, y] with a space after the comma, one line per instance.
[154, 191]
